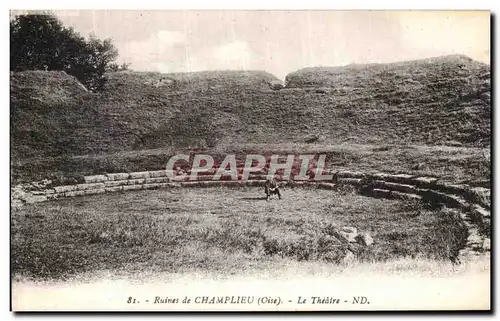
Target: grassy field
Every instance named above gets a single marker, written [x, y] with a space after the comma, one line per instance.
[222, 231]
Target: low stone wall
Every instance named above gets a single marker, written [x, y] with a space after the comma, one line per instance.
[473, 202]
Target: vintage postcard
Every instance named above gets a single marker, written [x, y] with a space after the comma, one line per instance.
[250, 160]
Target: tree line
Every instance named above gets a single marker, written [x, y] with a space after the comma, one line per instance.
[42, 42]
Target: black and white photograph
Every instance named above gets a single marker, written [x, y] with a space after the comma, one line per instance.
[250, 160]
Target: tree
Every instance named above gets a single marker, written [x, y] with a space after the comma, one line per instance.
[93, 62]
[41, 42]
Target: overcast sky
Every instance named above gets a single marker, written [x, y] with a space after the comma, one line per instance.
[282, 41]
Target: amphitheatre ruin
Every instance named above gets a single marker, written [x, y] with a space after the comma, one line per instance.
[407, 145]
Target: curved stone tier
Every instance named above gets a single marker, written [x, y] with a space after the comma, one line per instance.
[474, 202]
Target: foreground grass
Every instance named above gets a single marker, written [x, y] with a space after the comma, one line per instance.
[221, 230]
[276, 268]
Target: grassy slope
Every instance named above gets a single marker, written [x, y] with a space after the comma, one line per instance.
[220, 229]
[134, 110]
[438, 102]
[53, 114]
[455, 164]
[431, 101]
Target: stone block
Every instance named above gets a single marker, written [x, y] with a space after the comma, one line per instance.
[117, 176]
[95, 179]
[86, 187]
[136, 175]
